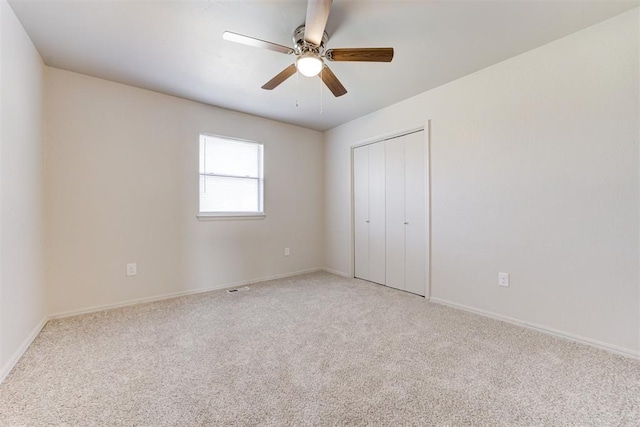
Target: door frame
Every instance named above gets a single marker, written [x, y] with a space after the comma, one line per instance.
[427, 181]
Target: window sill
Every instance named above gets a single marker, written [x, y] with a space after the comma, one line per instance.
[203, 216]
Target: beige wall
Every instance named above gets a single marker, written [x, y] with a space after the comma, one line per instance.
[122, 186]
[534, 172]
[22, 292]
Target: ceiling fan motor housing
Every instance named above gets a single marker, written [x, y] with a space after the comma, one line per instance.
[302, 46]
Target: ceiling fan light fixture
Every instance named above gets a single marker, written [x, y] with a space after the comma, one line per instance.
[309, 64]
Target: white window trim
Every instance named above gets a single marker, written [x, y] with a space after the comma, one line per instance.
[217, 216]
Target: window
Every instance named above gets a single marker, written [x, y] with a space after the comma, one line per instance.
[231, 181]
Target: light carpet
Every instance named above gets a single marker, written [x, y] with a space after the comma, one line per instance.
[315, 349]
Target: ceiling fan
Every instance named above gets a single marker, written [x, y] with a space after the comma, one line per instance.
[309, 47]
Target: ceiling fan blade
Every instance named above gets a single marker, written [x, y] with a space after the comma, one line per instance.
[251, 41]
[332, 82]
[367, 54]
[317, 15]
[280, 77]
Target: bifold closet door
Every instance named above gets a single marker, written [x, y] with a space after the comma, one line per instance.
[361, 211]
[395, 228]
[369, 212]
[377, 204]
[406, 213]
[415, 213]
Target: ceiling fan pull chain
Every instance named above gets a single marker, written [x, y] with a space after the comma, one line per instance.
[297, 85]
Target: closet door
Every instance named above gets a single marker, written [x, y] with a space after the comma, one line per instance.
[415, 213]
[406, 215]
[390, 213]
[369, 212]
[395, 228]
[361, 211]
[377, 213]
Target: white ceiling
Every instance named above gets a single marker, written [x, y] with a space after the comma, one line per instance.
[176, 47]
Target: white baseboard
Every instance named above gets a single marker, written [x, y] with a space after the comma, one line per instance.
[8, 367]
[11, 363]
[576, 338]
[160, 297]
[336, 272]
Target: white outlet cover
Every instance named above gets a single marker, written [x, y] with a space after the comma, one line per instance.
[503, 279]
[132, 269]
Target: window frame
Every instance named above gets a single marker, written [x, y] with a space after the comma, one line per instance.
[222, 215]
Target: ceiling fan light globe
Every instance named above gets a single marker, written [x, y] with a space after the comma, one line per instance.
[309, 64]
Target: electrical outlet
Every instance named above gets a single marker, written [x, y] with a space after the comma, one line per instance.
[132, 269]
[287, 252]
[503, 279]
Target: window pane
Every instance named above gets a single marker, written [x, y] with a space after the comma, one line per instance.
[221, 194]
[229, 157]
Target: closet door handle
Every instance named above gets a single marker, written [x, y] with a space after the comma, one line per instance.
[367, 221]
[406, 223]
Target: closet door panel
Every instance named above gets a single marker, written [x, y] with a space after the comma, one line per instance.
[395, 248]
[361, 211]
[377, 213]
[415, 213]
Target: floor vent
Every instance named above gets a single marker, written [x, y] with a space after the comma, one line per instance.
[231, 291]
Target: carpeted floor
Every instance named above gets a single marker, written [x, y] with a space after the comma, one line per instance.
[314, 349]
